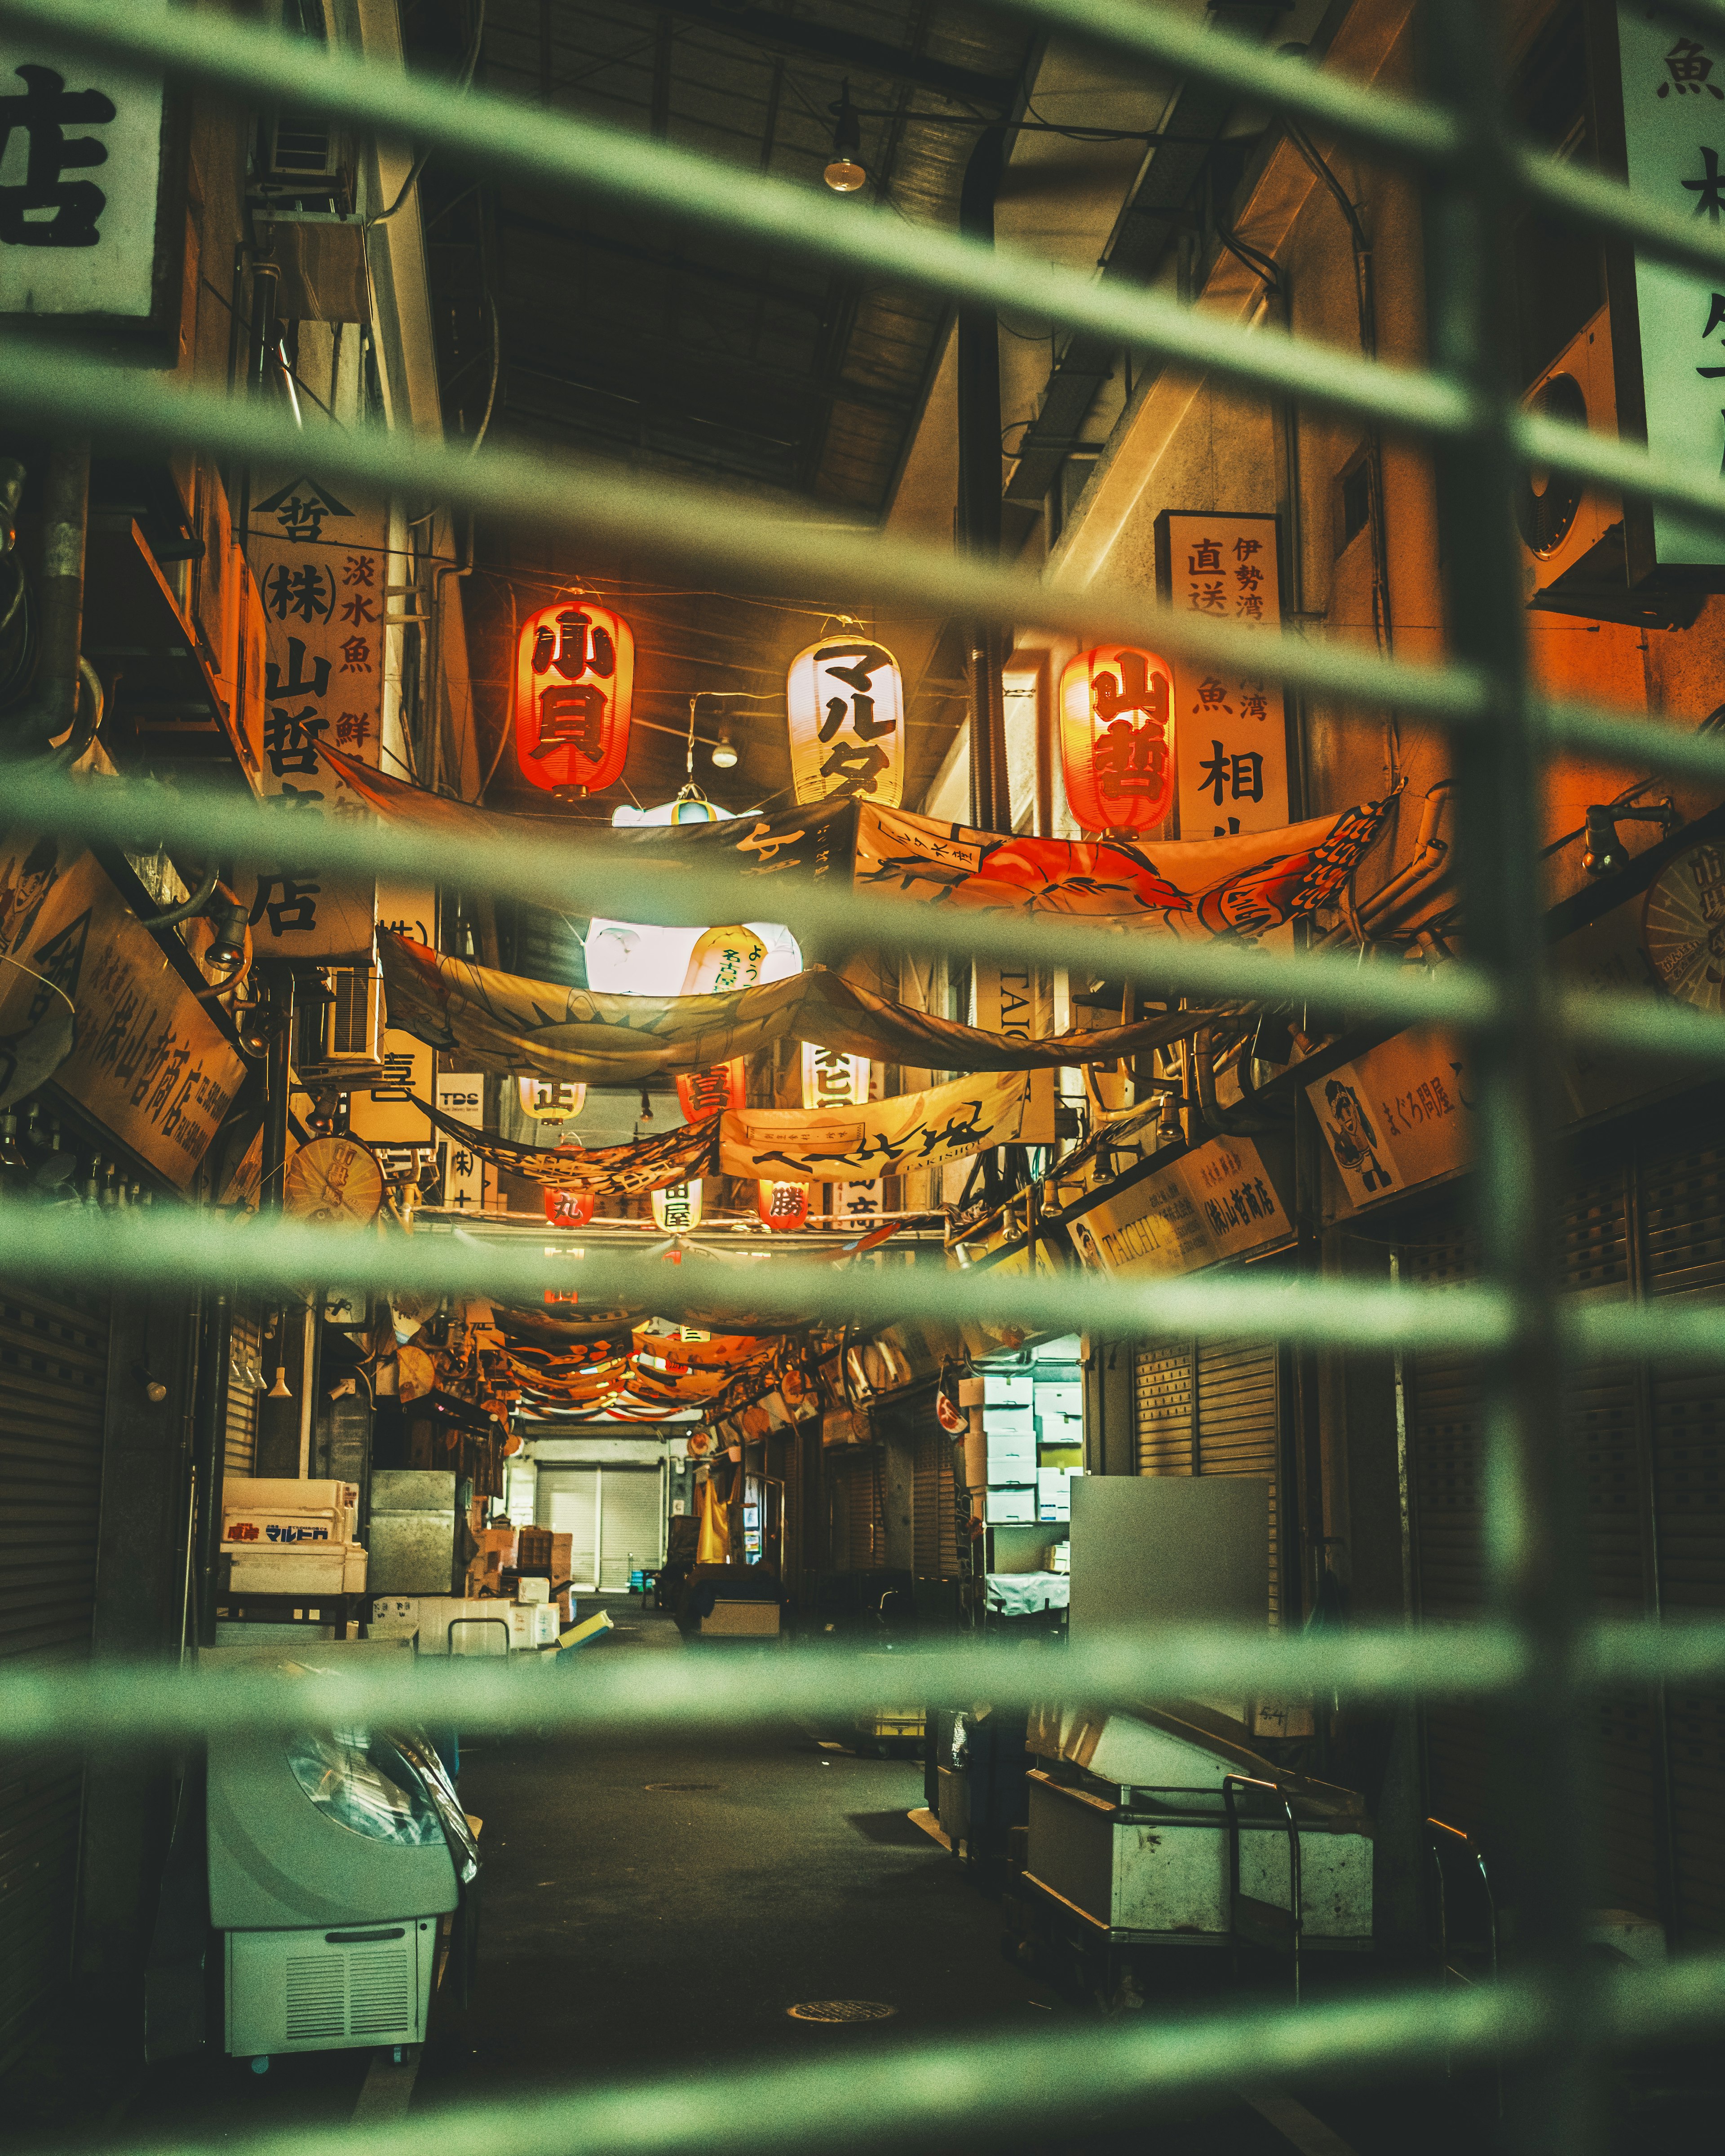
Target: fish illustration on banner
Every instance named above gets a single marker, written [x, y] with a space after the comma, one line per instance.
[1194, 888]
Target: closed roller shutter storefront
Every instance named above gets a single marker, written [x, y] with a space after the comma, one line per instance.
[1647, 1452]
[934, 1501]
[54, 1374]
[1212, 1407]
[246, 1367]
[859, 1514]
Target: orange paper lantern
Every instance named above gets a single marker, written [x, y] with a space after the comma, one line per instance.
[1117, 738]
[564, 1207]
[574, 680]
[845, 703]
[716, 1091]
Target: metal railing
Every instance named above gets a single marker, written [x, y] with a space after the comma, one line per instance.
[1533, 1659]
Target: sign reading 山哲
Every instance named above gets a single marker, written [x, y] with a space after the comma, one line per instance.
[83, 221]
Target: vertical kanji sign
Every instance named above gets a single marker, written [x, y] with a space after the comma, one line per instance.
[80, 181]
[845, 704]
[322, 573]
[1672, 320]
[1230, 728]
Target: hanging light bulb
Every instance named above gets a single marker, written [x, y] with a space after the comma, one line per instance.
[845, 174]
[724, 751]
[646, 1114]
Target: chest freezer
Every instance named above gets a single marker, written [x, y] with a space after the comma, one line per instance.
[332, 1854]
[1144, 1845]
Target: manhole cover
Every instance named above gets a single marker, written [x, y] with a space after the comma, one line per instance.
[682, 1785]
[841, 2009]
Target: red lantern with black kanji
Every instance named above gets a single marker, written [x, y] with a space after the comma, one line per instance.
[784, 1206]
[574, 681]
[715, 1092]
[1117, 738]
[566, 1207]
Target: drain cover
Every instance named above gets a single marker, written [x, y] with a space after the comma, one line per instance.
[841, 2009]
[682, 1785]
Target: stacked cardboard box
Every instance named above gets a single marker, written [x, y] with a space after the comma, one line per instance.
[285, 1536]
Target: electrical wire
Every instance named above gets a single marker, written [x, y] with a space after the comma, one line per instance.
[463, 81]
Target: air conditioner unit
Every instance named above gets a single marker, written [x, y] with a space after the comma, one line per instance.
[1573, 549]
[353, 1023]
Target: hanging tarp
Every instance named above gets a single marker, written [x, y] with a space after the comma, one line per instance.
[496, 1021]
[621, 1171]
[793, 1145]
[1237, 886]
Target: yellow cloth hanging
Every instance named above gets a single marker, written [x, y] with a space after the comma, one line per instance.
[714, 1547]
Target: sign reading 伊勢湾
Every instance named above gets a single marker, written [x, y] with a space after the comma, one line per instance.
[1230, 728]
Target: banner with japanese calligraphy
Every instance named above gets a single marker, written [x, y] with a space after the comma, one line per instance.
[1230, 729]
[146, 1060]
[886, 1138]
[502, 1022]
[1673, 79]
[1194, 887]
[1224, 1200]
[79, 213]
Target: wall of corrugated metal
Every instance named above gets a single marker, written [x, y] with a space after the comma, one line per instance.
[53, 1375]
[856, 1481]
[934, 1515]
[1212, 1407]
[1644, 1208]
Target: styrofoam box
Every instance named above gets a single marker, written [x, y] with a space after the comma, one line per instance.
[314, 1568]
[1001, 1391]
[1061, 1429]
[531, 1589]
[1053, 1484]
[1010, 1422]
[1015, 1466]
[1059, 1400]
[268, 1511]
[1010, 1505]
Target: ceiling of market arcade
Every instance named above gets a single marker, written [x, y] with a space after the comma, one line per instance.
[667, 351]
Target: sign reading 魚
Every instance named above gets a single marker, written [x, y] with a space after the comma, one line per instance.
[1230, 729]
[1674, 143]
[80, 181]
[1220, 1200]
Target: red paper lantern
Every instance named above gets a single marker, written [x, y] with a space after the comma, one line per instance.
[1117, 738]
[565, 1208]
[716, 1091]
[574, 680]
[784, 1206]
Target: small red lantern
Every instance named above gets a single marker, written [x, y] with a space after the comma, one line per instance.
[574, 682]
[567, 1208]
[784, 1206]
[704, 1093]
[1117, 738]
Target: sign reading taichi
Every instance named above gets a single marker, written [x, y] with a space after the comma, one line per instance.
[1232, 727]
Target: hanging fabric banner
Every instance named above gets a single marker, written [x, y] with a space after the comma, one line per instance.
[1194, 887]
[500, 1022]
[623, 1171]
[858, 1145]
[799, 1145]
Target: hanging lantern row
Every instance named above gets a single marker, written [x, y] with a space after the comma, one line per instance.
[574, 683]
[1117, 738]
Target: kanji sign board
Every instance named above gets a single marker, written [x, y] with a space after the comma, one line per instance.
[80, 181]
[1230, 729]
